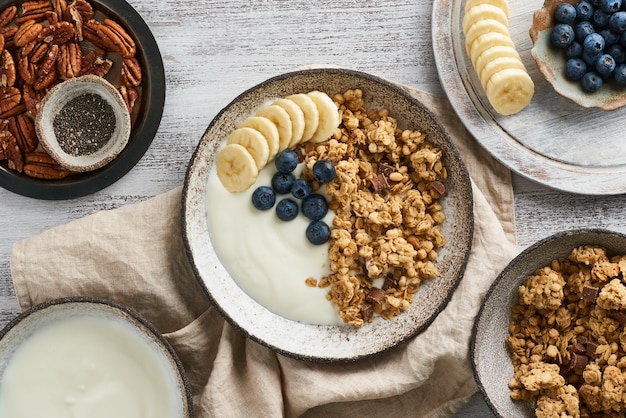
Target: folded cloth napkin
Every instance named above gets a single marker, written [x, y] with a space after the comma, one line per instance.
[134, 255]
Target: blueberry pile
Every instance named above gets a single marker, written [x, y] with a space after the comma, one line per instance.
[312, 205]
[592, 35]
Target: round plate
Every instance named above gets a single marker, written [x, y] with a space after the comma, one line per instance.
[145, 123]
[553, 141]
[332, 342]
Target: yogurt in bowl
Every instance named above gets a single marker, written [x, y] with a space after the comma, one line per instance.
[88, 358]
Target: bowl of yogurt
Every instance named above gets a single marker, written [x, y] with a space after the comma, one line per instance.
[265, 277]
[85, 357]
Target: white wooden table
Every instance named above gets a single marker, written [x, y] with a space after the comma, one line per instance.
[214, 49]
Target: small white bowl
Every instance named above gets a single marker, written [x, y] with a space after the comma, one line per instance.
[59, 96]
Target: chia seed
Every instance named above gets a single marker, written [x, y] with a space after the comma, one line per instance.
[84, 125]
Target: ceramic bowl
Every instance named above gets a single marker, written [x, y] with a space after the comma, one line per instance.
[551, 63]
[62, 94]
[326, 342]
[490, 354]
[134, 343]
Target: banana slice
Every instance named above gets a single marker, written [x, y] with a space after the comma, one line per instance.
[281, 119]
[510, 90]
[297, 119]
[268, 129]
[486, 41]
[329, 116]
[236, 168]
[483, 11]
[482, 27]
[497, 65]
[253, 141]
[311, 114]
[501, 4]
[494, 53]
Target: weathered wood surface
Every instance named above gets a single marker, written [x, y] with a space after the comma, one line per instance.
[213, 50]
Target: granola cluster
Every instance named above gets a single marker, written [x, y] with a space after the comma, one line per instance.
[387, 224]
[567, 336]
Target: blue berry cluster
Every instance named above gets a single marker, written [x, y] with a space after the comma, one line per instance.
[312, 205]
[592, 34]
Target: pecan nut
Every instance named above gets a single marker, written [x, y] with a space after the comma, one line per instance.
[70, 59]
[8, 33]
[131, 72]
[116, 39]
[42, 166]
[74, 16]
[84, 8]
[11, 151]
[57, 34]
[35, 10]
[90, 33]
[94, 63]
[26, 69]
[10, 97]
[7, 15]
[130, 96]
[27, 32]
[23, 129]
[59, 6]
[32, 98]
[8, 74]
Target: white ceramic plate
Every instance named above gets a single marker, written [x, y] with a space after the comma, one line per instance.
[315, 342]
[553, 141]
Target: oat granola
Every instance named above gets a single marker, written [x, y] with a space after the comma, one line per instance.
[567, 337]
[387, 225]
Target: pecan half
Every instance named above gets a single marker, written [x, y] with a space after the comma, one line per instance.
[32, 98]
[52, 18]
[33, 10]
[7, 69]
[84, 9]
[57, 34]
[94, 63]
[27, 32]
[90, 33]
[45, 80]
[116, 39]
[11, 151]
[38, 51]
[23, 129]
[10, 97]
[7, 15]
[42, 166]
[8, 32]
[131, 72]
[60, 6]
[130, 95]
[26, 69]
[70, 59]
[74, 16]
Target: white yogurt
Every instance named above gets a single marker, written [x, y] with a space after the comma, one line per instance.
[268, 258]
[87, 367]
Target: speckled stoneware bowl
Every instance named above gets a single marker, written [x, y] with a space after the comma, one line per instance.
[490, 354]
[51, 313]
[551, 63]
[316, 342]
[59, 96]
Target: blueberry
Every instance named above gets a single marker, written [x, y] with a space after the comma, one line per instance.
[617, 22]
[619, 75]
[610, 6]
[565, 13]
[590, 59]
[600, 19]
[286, 161]
[584, 10]
[618, 53]
[263, 198]
[562, 35]
[286, 210]
[300, 189]
[582, 29]
[593, 44]
[575, 68]
[283, 182]
[314, 207]
[324, 171]
[605, 65]
[591, 82]
[317, 232]
[574, 50]
[610, 37]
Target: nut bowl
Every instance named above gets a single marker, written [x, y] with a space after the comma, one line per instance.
[551, 64]
[89, 354]
[54, 105]
[490, 353]
[294, 338]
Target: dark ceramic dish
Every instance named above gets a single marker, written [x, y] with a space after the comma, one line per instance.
[491, 359]
[50, 312]
[145, 121]
[315, 342]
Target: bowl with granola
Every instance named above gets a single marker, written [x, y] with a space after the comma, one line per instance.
[327, 214]
[548, 339]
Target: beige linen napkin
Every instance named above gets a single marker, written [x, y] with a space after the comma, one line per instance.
[134, 255]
